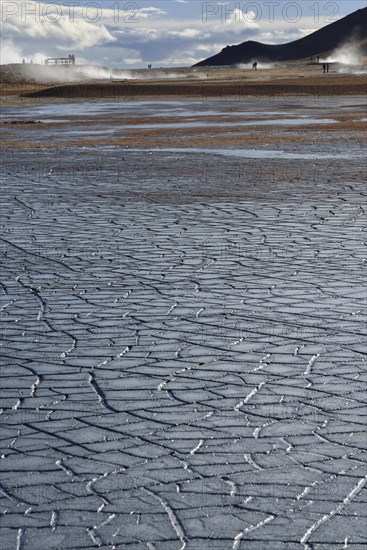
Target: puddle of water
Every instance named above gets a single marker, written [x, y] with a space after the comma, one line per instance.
[156, 108]
[255, 153]
[88, 131]
[81, 109]
[197, 124]
[181, 112]
[205, 124]
[56, 120]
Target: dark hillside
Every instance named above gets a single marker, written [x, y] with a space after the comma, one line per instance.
[352, 28]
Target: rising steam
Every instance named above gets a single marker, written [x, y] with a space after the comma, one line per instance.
[346, 55]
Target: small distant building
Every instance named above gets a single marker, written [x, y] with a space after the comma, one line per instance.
[60, 60]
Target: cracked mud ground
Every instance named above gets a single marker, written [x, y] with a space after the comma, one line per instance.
[184, 357]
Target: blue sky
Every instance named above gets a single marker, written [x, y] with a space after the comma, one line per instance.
[165, 33]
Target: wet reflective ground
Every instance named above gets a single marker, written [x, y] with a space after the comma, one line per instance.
[184, 347]
[256, 124]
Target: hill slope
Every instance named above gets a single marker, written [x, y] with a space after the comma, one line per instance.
[351, 28]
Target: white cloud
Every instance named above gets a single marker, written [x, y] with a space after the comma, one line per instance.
[132, 60]
[151, 12]
[10, 53]
[36, 26]
[187, 33]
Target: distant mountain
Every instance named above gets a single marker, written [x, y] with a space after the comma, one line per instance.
[352, 28]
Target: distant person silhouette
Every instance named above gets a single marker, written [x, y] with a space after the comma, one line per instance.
[327, 67]
[254, 65]
[324, 68]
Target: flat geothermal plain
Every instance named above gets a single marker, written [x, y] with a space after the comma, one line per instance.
[183, 305]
